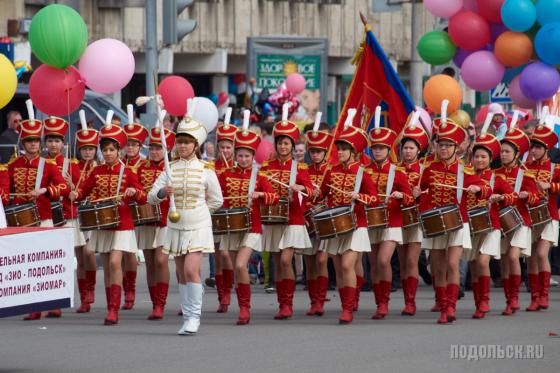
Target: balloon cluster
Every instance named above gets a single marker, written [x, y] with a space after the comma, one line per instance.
[58, 36]
[491, 40]
[271, 103]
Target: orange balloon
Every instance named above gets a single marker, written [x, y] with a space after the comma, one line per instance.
[442, 87]
[513, 49]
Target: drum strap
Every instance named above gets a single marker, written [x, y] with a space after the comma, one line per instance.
[65, 164]
[390, 181]
[518, 181]
[552, 165]
[293, 175]
[492, 181]
[121, 173]
[252, 184]
[358, 182]
[460, 181]
[40, 170]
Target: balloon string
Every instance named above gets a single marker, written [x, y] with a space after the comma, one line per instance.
[69, 152]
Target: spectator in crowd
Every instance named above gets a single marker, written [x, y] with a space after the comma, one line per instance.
[299, 152]
[9, 138]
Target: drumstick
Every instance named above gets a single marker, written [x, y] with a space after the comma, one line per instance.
[449, 186]
[224, 158]
[235, 197]
[82, 174]
[107, 198]
[20, 194]
[344, 192]
[284, 185]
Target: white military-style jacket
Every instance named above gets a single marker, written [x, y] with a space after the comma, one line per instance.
[197, 193]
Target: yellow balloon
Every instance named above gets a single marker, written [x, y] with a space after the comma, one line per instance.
[8, 81]
[462, 118]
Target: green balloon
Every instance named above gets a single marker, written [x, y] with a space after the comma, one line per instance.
[436, 48]
[58, 35]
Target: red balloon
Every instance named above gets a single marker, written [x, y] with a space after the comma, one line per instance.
[239, 78]
[175, 91]
[265, 151]
[469, 31]
[491, 10]
[222, 98]
[56, 91]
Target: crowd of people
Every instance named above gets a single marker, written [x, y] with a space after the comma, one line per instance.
[308, 213]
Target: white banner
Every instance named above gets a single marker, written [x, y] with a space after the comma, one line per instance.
[36, 271]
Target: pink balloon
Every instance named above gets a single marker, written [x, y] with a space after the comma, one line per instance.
[107, 65]
[426, 119]
[491, 10]
[517, 95]
[443, 8]
[295, 83]
[175, 90]
[264, 152]
[470, 5]
[56, 91]
[482, 71]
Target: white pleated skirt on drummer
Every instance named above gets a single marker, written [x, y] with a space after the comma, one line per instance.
[271, 236]
[105, 241]
[316, 246]
[412, 234]
[150, 237]
[235, 241]
[181, 242]
[47, 223]
[356, 241]
[378, 235]
[79, 238]
[548, 233]
[520, 238]
[460, 237]
[296, 237]
[486, 243]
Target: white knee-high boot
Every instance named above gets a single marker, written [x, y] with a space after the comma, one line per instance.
[191, 305]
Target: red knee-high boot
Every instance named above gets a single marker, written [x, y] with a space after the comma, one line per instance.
[312, 292]
[435, 307]
[347, 300]
[152, 290]
[533, 279]
[507, 293]
[244, 302]
[82, 288]
[410, 285]
[226, 289]
[280, 298]
[544, 286]
[441, 299]
[160, 297]
[478, 314]
[112, 317]
[360, 281]
[452, 295]
[484, 293]
[514, 282]
[289, 289]
[90, 279]
[322, 288]
[129, 286]
[384, 290]
[219, 289]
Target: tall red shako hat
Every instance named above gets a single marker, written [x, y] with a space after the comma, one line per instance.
[30, 128]
[226, 131]
[486, 140]
[245, 139]
[544, 133]
[55, 126]
[134, 130]
[285, 127]
[414, 131]
[316, 139]
[381, 135]
[352, 135]
[517, 138]
[112, 131]
[86, 136]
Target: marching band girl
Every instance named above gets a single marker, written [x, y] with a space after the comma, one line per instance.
[243, 187]
[196, 193]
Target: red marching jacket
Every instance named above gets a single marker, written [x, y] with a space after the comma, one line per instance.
[380, 176]
[541, 170]
[235, 183]
[316, 175]
[344, 178]
[23, 173]
[4, 185]
[69, 208]
[500, 187]
[102, 183]
[280, 171]
[528, 185]
[148, 171]
[437, 173]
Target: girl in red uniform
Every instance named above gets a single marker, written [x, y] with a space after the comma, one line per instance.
[345, 184]
[282, 240]
[151, 237]
[391, 181]
[243, 187]
[317, 276]
[108, 181]
[414, 141]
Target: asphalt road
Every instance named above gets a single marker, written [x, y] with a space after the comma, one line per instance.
[80, 343]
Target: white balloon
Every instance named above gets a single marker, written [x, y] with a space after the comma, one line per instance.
[206, 113]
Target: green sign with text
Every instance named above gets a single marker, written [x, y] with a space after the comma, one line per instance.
[273, 69]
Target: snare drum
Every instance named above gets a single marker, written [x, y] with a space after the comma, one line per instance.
[22, 215]
[410, 217]
[376, 216]
[235, 220]
[510, 220]
[539, 214]
[335, 221]
[309, 222]
[145, 214]
[479, 220]
[103, 215]
[57, 214]
[441, 220]
[275, 214]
